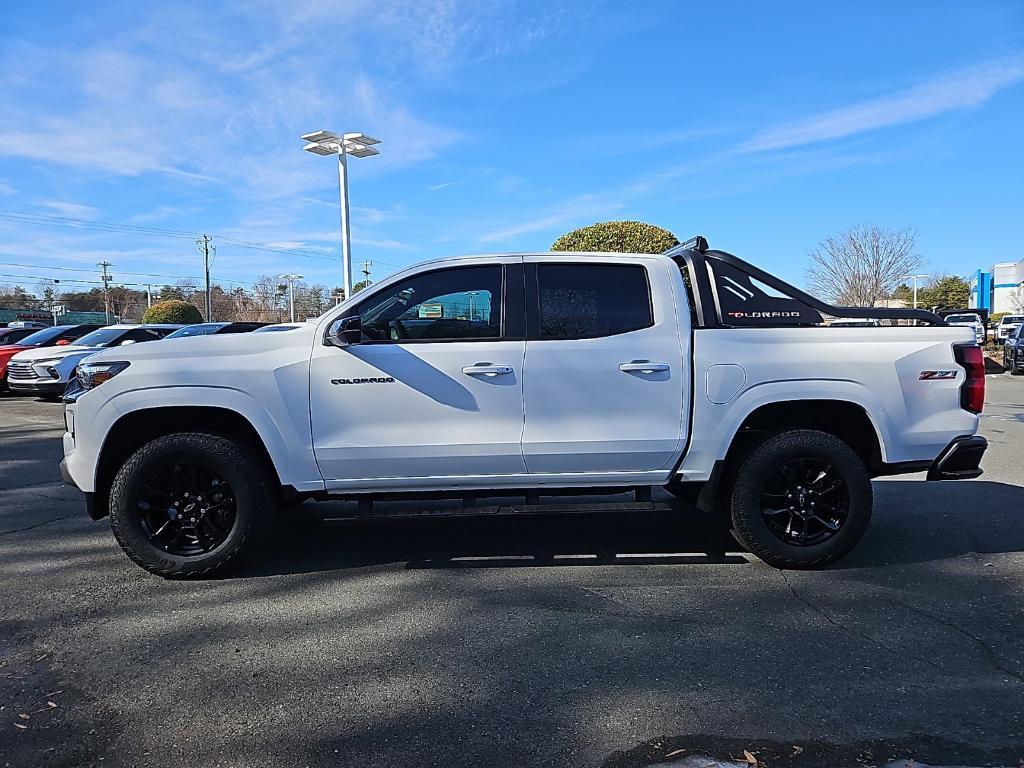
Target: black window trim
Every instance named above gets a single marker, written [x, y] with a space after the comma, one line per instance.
[533, 298]
[509, 274]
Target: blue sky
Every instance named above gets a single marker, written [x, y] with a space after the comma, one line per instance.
[765, 126]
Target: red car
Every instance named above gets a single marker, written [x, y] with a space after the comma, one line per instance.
[15, 341]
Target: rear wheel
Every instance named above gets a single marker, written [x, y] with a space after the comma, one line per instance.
[800, 499]
[190, 504]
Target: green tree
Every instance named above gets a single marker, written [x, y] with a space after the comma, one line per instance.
[949, 292]
[904, 293]
[172, 311]
[617, 237]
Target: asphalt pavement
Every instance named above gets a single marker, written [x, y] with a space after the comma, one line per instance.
[612, 640]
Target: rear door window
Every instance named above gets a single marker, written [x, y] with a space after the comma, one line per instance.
[587, 301]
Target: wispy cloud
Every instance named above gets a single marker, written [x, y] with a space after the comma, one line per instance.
[442, 185]
[962, 89]
[568, 212]
[6, 189]
[78, 210]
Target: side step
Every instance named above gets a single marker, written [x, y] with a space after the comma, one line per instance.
[365, 511]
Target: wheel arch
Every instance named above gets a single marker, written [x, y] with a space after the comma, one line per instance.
[134, 429]
[847, 420]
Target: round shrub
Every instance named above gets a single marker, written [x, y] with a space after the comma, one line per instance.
[617, 237]
[172, 311]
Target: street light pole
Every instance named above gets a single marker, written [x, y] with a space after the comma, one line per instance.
[291, 293]
[346, 238]
[915, 278]
[357, 145]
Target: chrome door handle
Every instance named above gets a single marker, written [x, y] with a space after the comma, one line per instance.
[486, 369]
[643, 366]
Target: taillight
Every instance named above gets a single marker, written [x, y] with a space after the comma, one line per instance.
[972, 392]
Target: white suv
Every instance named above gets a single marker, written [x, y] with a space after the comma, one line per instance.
[47, 370]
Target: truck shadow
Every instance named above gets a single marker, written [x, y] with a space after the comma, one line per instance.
[683, 537]
[914, 521]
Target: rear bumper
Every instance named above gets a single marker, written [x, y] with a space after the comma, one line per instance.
[960, 460]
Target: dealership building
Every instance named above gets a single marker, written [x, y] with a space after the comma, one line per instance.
[1000, 289]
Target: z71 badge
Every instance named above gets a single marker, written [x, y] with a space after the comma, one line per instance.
[930, 375]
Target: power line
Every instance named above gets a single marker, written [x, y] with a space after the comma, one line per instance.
[102, 226]
[123, 272]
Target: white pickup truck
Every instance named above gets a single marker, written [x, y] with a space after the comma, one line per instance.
[529, 375]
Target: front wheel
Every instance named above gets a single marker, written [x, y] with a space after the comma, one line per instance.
[190, 504]
[800, 499]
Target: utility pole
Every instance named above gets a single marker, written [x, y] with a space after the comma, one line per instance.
[204, 243]
[106, 278]
[367, 266]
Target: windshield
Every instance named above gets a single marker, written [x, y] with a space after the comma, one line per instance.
[43, 336]
[203, 329]
[102, 337]
[963, 319]
[1012, 319]
[275, 328]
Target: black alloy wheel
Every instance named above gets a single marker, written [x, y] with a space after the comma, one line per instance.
[186, 509]
[805, 502]
[192, 504]
[799, 498]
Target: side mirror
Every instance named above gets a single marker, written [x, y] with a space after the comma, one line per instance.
[63, 342]
[126, 342]
[344, 332]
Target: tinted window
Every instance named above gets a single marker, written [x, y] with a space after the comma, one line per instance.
[43, 336]
[203, 329]
[147, 334]
[581, 301]
[101, 338]
[457, 303]
[14, 335]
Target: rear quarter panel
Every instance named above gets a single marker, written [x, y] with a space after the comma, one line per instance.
[878, 369]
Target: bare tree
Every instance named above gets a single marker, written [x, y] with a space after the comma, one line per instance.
[861, 265]
[1017, 299]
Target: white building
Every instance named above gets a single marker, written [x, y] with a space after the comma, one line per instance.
[1000, 289]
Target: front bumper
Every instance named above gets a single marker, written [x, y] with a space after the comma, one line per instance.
[38, 387]
[960, 460]
[90, 498]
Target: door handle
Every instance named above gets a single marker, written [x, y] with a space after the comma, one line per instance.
[643, 366]
[486, 369]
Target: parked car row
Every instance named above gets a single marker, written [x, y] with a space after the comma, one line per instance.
[43, 362]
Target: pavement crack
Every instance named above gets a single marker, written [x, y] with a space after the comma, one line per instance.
[839, 625]
[38, 525]
[993, 657]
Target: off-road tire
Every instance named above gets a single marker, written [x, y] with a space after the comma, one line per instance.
[760, 461]
[249, 477]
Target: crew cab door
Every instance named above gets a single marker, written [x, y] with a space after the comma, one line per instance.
[434, 389]
[607, 382]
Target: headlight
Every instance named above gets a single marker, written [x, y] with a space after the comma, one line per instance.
[91, 375]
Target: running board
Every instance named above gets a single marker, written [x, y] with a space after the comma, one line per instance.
[365, 511]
